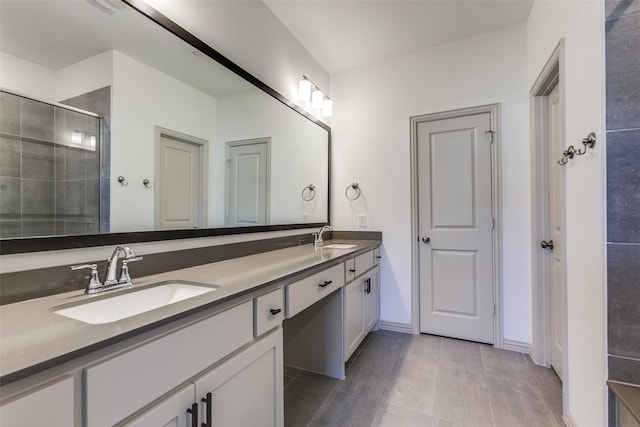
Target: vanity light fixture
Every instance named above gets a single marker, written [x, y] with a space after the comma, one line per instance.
[309, 91]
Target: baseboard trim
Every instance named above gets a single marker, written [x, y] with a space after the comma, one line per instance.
[388, 325]
[519, 346]
[569, 420]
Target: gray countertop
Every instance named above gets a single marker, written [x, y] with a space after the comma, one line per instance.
[33, 338]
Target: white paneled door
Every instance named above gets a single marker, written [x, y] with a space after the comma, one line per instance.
[247, 182]
[179, 197]
[456, 227]
[556, 213]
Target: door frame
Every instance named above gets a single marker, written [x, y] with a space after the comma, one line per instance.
[494, 115]
[203, 145]
[553, 73]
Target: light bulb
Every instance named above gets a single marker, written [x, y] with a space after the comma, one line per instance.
[327, 108]
[316, 99]
[304, 90]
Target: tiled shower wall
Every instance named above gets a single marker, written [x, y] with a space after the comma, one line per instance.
[623, 188]
[46, 187]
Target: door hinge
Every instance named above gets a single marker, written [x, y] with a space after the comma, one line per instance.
[490, 132]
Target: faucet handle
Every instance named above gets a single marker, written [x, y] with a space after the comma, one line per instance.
[94, 281]
[124, 275]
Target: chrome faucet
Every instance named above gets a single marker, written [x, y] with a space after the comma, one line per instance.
[318, 236]
[94, 286]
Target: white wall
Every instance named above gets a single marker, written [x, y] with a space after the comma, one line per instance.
[249, 34]
[371, 146]
[143, 98]
[580, 23]
[84, 76]
[27, 78]
[295, 162]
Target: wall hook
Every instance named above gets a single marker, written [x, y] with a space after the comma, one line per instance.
[571, 151]
[122, 180]
[146, 183]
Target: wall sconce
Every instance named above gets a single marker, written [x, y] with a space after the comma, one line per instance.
[309, 91]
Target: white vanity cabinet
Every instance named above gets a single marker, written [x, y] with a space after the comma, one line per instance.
[125, 383]
[361, 300]
[52, 404]
[245, 390]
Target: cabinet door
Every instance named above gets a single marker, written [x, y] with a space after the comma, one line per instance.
[354, 316]
[52, 405]
[170, 412]
[246, 390]
[372, 301]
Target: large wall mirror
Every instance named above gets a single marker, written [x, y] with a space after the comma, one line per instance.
[110, 123]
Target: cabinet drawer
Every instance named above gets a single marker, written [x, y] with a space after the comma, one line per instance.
[305, 292]
[376, 256]
[358, 265]
[51, 405]
[125, 383]
[268, 311]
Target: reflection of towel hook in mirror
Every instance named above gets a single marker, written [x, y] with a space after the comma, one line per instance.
[122, 180]
[146, 183]
[355, 194]
[311, 192]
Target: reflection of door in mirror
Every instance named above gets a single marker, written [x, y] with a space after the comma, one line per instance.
[248, 179]
[180, 177]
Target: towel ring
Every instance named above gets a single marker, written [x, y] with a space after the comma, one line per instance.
[356, 189]
[312, 192]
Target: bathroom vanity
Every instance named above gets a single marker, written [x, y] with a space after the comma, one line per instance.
[200, 361]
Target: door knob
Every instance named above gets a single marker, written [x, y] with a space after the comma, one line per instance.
[426, 239]
[544, 244]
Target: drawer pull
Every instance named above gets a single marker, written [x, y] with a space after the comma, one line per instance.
[194, 414]
[275, 311]
[353, 270]
[378, 257]
[325, 283]
[207, 401]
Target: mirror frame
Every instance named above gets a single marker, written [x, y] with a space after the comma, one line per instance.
[50, 243]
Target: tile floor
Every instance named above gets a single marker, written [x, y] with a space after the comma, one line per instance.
[401, 380]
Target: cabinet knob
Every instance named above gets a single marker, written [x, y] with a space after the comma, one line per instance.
[275, 311]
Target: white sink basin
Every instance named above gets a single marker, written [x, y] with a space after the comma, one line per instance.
[339, 246]
[129, 304]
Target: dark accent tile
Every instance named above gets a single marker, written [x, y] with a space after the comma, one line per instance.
[76, 200]
[61, 200]
[38, 228]
[105, 204]
[76, 163]
[623, 299]
[38, 200]
[10, 117]
[302, 402]
[75, 228]
[10, 229]
[623, 186]
[37, 160]
[345, 409]
[37, 120]
[10, 155]
[93, 200]
[617, 8]
[10, 198]
[624, 370]
[622, 65]
[60, 162]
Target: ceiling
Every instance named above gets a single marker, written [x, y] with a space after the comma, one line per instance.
[345, 34]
